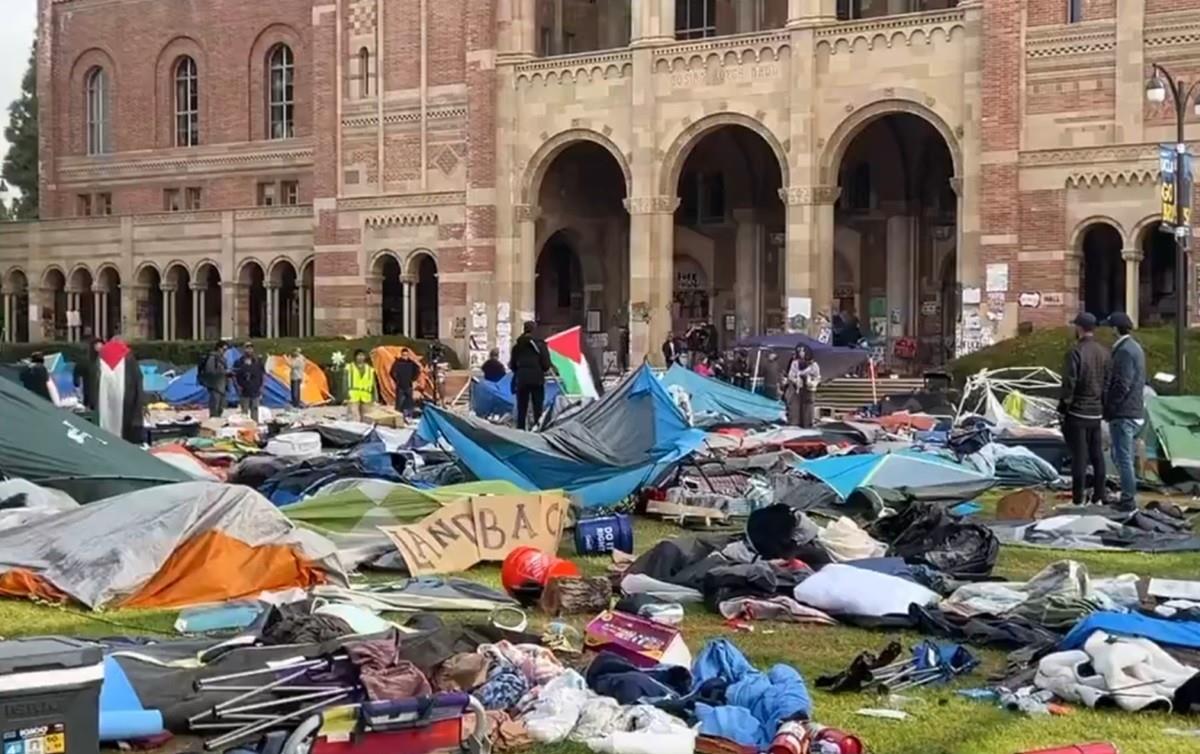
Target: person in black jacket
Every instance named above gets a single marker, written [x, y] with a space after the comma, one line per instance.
[404, 373]
[529, 363]
[34, 376]
[671, 351]
[250, 373]
[1082, 408]
[493, 369]
[1124, 404]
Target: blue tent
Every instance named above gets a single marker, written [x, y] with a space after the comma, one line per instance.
[1174, 633]
[600, 454]
[497, 398]
[904, 471]
[717, 403]
[186, 390]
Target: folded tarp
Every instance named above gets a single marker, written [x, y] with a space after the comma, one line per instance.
[715, 403]
[905, 472]
[186, 390]
[1171, 633]
[600, 454]
[497, 398]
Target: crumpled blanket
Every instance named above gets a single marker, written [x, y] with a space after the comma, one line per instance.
[1135, 674]
[538, 664]
[755, 702]
[384, 675]
[780, 608]
[845, 540]
[504, 687]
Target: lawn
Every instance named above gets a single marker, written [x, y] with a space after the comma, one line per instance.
[940, 723]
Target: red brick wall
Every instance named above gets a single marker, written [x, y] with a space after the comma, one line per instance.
[1048, 12]
[1166, 6]
[480, 28]
[447, 54]
[402, 44]
[1071, 94]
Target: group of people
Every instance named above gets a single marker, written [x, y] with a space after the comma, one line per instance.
[1103, 385]
[249, 373]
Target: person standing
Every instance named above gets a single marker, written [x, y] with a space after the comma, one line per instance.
[404, 374]
[623, 349]
[670, 351]
[1124, 404]
[770, 376]
[703, 368]
[803, 377]
[1081, 407]
[250, 373]
[296, 368]
[529, 363]
[493, 368]
[741, 370]
[360, 385]
[214, 377]
[120, 399]
[34, 376]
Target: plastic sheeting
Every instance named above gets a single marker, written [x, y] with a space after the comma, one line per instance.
[497, 398]
[716, 403]
[903, 471]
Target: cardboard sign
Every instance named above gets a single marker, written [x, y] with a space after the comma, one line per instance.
[480, 528]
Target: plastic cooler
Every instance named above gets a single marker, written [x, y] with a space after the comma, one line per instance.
[50, 696]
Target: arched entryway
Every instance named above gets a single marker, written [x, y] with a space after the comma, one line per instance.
[423, 268]
[393, 314]
[107, 303]
[582, 272]
[15, 289]
[1156, 277]
[151, 323]
[180, 302]
[728, 235]
[252, 301]
[896, 227]
[54, 304]
[207, 305]
[81, 311]
[283, 301]
[1102, 271]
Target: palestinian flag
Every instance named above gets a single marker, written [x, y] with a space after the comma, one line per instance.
[566, 354]
[111, 401]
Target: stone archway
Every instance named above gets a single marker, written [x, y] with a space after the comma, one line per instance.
[423, 270]
[53, 307]
[179, 294]
[1157, 282]
[107, 303]
[149, 311]
[1102, 272]
[559, 284]
[394, 294]
[283, 311]
[81, 310]
[252, 300]
[207, 305]
[15, 289]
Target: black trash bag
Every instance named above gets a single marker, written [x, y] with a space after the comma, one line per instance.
[925, 534]
[868, 503]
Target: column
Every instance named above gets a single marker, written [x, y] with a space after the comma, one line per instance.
[272, 309]
[651, 273]
[808, 12]
[653, 22]
[1131, 62]
[200, 308]
[410, 307]
[168, 311]
[559, 38]
[1133, 288]
[517, 23]
[748, 275]
[10, 322]
[302, 314]
[525, 255]
[744, 15]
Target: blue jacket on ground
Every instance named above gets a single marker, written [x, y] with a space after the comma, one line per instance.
[755, 702]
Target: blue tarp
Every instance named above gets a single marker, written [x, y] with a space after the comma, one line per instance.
[898, 471]
[600, 454]
[716, 403]
[497, 398]
[186, 390]
[1174, 633]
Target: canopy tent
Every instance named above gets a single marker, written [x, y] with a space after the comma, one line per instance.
[314, 388]
[600, 454]
[350, 512]
[834, 362]
[905, 472]
[498, 399]
[184, 544]
[382, 358]
[55, 448]
[186, 390]
[1175, 422]
[715, 403]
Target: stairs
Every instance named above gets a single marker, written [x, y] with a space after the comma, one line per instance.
[846, 395]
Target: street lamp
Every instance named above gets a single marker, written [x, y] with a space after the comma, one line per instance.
[1160, 85]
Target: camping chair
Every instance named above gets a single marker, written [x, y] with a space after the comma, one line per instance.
[432, 725]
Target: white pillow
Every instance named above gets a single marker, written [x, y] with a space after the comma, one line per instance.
[840, 589]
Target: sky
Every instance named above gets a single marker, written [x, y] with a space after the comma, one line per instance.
[16, 35]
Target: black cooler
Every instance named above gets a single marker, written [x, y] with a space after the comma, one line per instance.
[50, 696]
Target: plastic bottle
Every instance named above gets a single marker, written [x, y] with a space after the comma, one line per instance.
[833, 741]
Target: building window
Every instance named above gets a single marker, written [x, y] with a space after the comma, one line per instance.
[695, 19]
[568, 43]
[83, 205]
[192, 198]
[289, 192]
[267, 196]
[172, 200]
[547, 38]
[103, 204]
[364, 72]
[1074, 11]
[97, 111]
[281, 102]
[187, 103]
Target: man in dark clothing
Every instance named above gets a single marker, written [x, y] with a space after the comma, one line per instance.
[1124, 404]
[529, 363]
[404, 373]
[671, 351]
[623, 350]
[34, 376]
[493, 368]
[1082, 408]
[214, 376]
[250, 373]
[741, 371]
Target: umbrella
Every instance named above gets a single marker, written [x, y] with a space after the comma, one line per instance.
[899, 471]
[834, 362]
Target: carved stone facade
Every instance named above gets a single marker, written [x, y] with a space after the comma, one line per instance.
[426, 134]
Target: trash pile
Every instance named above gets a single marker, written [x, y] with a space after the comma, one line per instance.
[315, 560]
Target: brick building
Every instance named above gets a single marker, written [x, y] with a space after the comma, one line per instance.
[451, 168]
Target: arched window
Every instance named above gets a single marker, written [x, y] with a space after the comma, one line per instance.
[364, 71]
[281, 102]
[97, 111]
[187, 103]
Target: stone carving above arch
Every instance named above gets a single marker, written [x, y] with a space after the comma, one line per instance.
[651, 205]
[1116, 177]
[410, 220]
[538, 165]
[576, 69]
[890, 101]
[805, 195]
[896, 31]
[683, 143]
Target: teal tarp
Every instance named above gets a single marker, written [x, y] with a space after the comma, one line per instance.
[1175, 421]
[716, 403]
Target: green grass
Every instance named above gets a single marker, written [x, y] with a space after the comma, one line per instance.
[941, 722]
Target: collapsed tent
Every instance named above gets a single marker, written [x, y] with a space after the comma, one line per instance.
[183, 544]
[906, 472]
[1012, 396]
[498, 398]
[834, 361]
[186, 390]
[55, 448]
[601, 453]
[314, 386]
[382, 358]
[1175, 423]
[716, 403]
[350, 512]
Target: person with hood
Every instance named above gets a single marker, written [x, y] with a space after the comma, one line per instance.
[1081, 406]
[214, 377]
[1124, 404]
[529, 363]
[250, 373]
[87, 374]
[404, 373]
[803, 377]
[34, 376]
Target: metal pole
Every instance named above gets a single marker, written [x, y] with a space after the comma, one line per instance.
[1181, 231]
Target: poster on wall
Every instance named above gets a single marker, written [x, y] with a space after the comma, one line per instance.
[504, 328]
[997, 278]
[478, 342]
[799, 313]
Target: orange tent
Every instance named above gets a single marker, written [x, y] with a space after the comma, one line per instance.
[382, 357]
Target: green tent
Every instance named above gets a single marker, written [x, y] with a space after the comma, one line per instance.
[350, 511]
[54, 448]
[1175, 423]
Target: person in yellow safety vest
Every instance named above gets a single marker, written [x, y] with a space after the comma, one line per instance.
[360, 385]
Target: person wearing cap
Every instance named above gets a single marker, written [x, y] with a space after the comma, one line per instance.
[1081, 407]
[1124, 405]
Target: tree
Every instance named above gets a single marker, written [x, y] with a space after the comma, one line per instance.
[21, 163]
